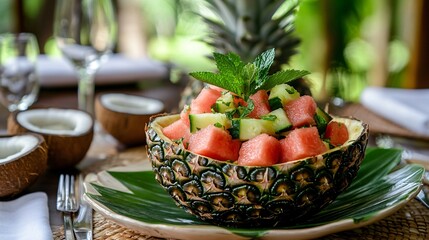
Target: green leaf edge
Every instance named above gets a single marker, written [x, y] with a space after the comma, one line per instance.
[244, 79]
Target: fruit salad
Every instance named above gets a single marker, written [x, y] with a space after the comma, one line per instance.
[251, 118]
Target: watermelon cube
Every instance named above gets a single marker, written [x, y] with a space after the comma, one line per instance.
[301, 143]
[184, 115]
[238, 101]
[178, 130]
[204, 101]
[262, 150]
[214, 142]
[301, 111]
[337, 133]
[219, 89]
[260, 102]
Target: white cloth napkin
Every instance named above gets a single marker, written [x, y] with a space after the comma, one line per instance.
[25, 218]
[408, 108]
[118, 69]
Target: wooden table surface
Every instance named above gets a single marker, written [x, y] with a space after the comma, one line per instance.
[67, 98]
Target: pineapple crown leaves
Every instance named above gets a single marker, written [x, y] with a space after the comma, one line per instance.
[240, 26]
[245, 79]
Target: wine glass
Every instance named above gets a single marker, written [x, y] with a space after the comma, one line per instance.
[85, 32]
[19, 85]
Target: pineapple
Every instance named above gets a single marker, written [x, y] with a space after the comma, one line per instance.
[226, 194]
[249, 27]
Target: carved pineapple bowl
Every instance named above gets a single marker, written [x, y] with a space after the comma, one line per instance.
[228, 194]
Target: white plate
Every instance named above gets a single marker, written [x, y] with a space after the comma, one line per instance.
[191, 231]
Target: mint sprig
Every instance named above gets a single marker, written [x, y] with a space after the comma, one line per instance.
[245, 79]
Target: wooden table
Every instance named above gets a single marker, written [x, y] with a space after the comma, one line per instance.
[67, 98]
[170, 95]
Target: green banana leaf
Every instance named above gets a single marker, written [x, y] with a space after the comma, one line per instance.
[381, 182]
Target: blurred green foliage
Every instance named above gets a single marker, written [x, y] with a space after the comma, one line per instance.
[32, 8]
[5, 16]
[175, 32]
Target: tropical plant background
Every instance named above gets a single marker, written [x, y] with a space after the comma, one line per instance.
[347, 45]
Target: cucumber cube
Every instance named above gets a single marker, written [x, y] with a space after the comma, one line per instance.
[281, 94]
[247, 128]
[202, 120]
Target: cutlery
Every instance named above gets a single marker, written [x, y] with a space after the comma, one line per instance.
[82, 224]
[67, 203]
[423, 196]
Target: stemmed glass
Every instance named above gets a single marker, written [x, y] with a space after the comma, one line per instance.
[85, 31]
[19, 85]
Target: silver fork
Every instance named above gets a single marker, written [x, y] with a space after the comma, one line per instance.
[67, 203]
[82, 222]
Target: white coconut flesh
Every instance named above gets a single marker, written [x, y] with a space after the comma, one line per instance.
[68, 122]
[124, 103]
[12, 148]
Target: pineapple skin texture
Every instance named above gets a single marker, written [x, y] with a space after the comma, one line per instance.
[230, 195]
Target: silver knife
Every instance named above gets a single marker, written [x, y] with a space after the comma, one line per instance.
[82, 223]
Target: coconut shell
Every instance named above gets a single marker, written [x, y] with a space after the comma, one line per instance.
[127, 128]
[19, 174]
[65, 151]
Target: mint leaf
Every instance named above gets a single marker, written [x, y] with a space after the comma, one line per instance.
[208, 77]
[269, 117]
[245, 79]
[282, 77]
[246, 110]
[236, 60]
[227, 64]
[248, 74]
[263, 63]
[218, 80]
[291, 91]
[230, 114]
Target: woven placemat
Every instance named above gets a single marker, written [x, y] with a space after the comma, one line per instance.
[410, 222]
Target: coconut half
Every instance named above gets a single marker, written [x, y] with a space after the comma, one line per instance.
[67, 132]
[23, 158]
[124, 116]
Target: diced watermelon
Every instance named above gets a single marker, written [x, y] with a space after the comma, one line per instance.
[204, 101]
[262, 150]
[177, 130]
[337, 133]
[235, 148]
[301, 143]
[238, 101]
[219, 89]
[260, 102]
[301, 111]
[184, 114]
[215, 143]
